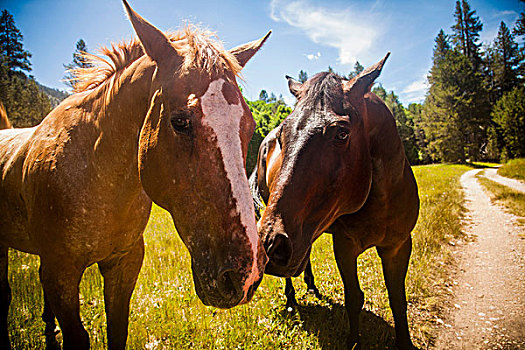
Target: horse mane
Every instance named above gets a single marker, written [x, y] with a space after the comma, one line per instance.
[4, 121]
[325, 89]
[198, 48]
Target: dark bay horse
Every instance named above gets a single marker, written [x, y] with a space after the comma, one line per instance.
[337, 165]
[162, 120]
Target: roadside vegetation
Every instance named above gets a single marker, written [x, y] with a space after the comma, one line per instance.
[511, 199]
[166, 313]
[514, 169]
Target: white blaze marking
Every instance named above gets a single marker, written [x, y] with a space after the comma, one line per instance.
[221, 116]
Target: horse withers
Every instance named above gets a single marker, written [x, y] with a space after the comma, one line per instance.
[336, 164]
[164, 120]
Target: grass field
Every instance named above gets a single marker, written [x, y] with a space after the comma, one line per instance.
[515, 169]
[166, 313]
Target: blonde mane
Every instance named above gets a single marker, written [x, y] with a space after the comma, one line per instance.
[197, 47]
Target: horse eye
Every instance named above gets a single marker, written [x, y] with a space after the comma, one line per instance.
[341, 135]
[180, 124]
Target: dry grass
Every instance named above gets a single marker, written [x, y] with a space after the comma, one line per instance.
[166, 313]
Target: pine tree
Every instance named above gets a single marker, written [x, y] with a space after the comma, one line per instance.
[358, 68]
[489, 69]
[506, 61]
[404, 123]
[263, 96]
[519, 29]
[303, 76]
[509, 115]
[503, 63]
[442, 46]
[415, 111]
[79, 61]
[466, 32]
[12, 52]
[455, 116]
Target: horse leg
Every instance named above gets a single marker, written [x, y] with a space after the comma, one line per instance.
[49, 319]
[395, 265]
[120, 275]
[346, 259]
[60, 279]
[289, 291]
[5, 298]
[309, 280]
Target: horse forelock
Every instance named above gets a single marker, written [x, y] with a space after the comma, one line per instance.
[199, 49]
[324, 91]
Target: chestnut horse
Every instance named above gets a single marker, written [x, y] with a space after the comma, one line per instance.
[166, 122]
[337, 165]
[4, 121]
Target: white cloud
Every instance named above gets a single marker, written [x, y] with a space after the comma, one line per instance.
[312, 56]
[289, 100]
[351, 32]
[503, 13]
[415, 92]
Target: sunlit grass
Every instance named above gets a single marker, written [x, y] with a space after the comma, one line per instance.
[515, 169]
[166, 313]
[484, 164]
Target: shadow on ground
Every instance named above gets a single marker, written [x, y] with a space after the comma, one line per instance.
[480, 166]
[327, 320]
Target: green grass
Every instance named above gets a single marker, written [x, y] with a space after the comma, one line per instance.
[513, 200]
[166, 313]
[515, 169]
[484, 164]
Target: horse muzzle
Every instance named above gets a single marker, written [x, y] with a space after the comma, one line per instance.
[224, 291]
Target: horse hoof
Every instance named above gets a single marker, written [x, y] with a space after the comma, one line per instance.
[315, 292]
[291, 305]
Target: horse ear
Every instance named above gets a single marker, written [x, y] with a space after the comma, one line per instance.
[294, 86]
[243, 53]
[362, 83]
[154, 42]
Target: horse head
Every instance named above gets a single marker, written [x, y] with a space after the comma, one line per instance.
[319, 168]
[192, 151]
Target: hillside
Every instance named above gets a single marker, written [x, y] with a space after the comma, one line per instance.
[55, 96]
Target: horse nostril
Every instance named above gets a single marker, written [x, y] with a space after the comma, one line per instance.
[229, 283]
[280, 250]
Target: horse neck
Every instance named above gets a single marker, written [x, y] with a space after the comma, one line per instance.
[385, 144]
[114, 120]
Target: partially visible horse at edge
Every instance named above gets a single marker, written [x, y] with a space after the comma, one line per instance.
[162, 120]
[336, 164]
[4, 121]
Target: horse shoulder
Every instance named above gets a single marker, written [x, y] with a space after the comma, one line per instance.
[14, 144]
[391, 208]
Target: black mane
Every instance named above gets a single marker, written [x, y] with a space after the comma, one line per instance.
[324, 91]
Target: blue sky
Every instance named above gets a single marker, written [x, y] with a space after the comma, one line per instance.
[307, 34]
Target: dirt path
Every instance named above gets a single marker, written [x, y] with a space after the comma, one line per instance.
[492, 174]
[488, 307]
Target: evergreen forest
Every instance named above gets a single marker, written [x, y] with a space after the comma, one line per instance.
[474, 109]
